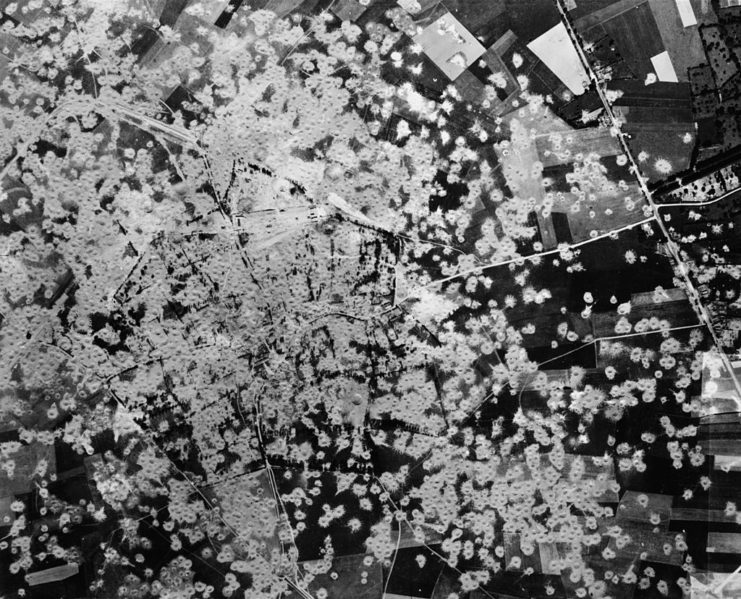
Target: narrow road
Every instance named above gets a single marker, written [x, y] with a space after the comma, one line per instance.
[672, 247]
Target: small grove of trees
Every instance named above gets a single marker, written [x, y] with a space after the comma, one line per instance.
[240, 306]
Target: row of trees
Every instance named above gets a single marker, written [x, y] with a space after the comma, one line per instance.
[241, 308]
